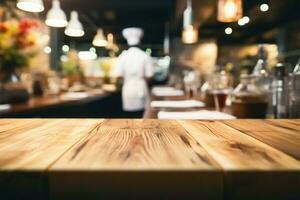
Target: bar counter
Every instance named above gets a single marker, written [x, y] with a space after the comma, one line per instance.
[149, 159]
[96, 103]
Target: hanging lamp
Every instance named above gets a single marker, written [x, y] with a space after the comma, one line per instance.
[99, 39]
[190, 32]
[34, 6]
[230, 10]
[74, 28]
[56, 17]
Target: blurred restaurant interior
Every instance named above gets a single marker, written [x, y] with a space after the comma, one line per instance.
[150, 99]
[226, 58]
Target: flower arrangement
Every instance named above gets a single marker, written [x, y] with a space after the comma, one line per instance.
[17, 40]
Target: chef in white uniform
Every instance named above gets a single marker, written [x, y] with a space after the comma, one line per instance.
[136, 68]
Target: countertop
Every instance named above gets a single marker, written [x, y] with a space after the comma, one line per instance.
[53, 100]
[149, 159]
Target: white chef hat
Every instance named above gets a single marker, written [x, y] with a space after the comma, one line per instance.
[133, 35]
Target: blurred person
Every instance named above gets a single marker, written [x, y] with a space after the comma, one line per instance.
[136, 69]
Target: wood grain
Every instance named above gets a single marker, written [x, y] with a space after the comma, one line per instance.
[137, 145]
[120, 158]
[253, 169]
[234, 150]
[34, 144]
[28, 147]
[281, 134]
[149, 153]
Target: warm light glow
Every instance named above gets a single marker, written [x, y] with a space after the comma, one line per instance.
[92, 49]
[189, 35]
[99, 39]
[241, 22]
[230, 10]
[31, 5]
[244, 20]
[65, 48]
[264, 7]
[228, 30]
[47, 50]
[110, 41]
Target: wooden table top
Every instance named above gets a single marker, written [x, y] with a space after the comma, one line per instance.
[213, 159]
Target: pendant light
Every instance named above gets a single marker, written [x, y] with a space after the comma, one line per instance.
[166, 43]
[110, 41]
[111, 44]
[230, 10]
[99, 39]
[56, 16]
[74, 28]
[189, 33]
[34, 6]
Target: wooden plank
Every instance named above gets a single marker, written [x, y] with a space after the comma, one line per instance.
[26, 148]
[137, 144]
[253, 170]
[125, 158]
[235, 150]
[281, 134]
[293, 125]
[26, 151]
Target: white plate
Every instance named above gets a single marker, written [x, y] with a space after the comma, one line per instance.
[166, 91]
[4, 107]
[74, 95]
[177, 104]
[201, 115]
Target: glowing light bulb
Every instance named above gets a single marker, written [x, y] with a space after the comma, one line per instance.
[230, 10]
[228, 30]
[189, 35]
[264, 7]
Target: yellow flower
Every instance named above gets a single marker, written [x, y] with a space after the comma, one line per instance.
[12, 27]
[6, 41]
[31, 38]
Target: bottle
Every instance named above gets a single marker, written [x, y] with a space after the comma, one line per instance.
[249, 100]
[294, 92]
[263, 76]
[280, 91]
[260, 68]
[296, 70]
[206, 91]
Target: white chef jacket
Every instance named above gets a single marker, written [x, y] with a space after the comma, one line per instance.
[134, 65]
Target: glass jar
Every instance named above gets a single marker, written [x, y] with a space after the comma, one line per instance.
[206, 90]
[191, 80]
[216, 89]
[249, 100]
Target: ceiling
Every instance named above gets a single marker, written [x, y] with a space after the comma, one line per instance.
[153, 15]
[114, 15]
